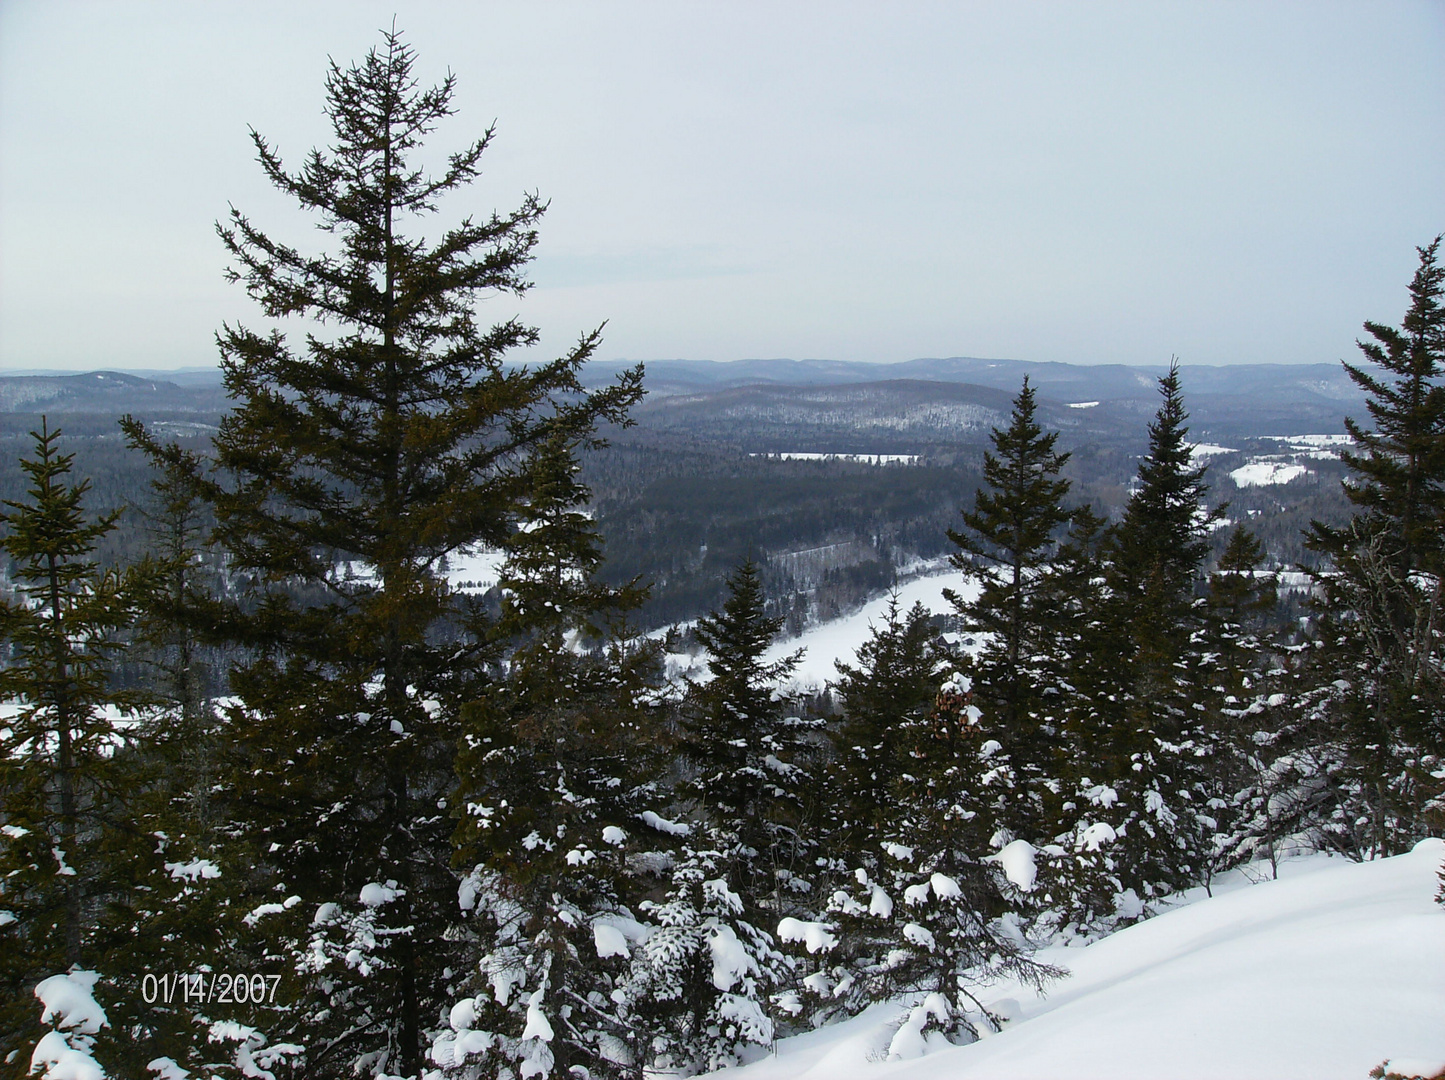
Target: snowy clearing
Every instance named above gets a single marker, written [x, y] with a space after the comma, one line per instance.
[1301, 442]
[474, 571]
[1323, 974]
[1208, 450]
[839, 638]
[1266, 474]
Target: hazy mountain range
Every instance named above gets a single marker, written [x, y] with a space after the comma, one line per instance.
[926, 399]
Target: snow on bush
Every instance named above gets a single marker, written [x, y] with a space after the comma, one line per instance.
[64, 1053]
[194, 870]
[375, 894]
[909, 1041]
[1017, 861]
[814, 936]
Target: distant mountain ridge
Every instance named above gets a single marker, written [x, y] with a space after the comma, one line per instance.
[953, 396]
[1060, 381]
[107, 392]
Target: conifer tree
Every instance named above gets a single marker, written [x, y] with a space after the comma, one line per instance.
[1138, 794]
[1009, 547]
[61, 784]
[747, 748]
[1380, 620]
[555, 774]
[1237, 682]
[743, 863]
[894, 681]
[348, 471]
[937, 916]
[1011, 531]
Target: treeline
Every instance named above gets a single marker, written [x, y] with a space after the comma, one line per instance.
[429, 834]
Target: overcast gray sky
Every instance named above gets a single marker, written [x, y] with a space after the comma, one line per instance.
[1086, 182]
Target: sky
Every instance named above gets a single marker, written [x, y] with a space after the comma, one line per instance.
[1097, 182]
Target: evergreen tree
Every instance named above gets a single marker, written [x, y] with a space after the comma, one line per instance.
[894, 681]
[1009, 545]
[1380, 678]
[743, 863]
[746, 745]
[1012, 530]
[555, 769]
[345, 476]
[1137, 806]
[1238, 682]
[1399, 464]
[61, 784]
[937, 916]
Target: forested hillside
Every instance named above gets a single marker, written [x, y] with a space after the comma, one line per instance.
[280, 798]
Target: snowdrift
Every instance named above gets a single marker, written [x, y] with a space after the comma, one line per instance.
[1319, 975]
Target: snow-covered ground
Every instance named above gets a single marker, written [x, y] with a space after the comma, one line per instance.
[474, 571]
[1320, 975]
[1266, 473]
[1209, 450]
[839, 638]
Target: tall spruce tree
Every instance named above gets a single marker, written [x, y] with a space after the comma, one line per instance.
[935, 917]
[895, 680]
[555, 767]
[1380, 616]
[348, 471]
[1008, 547]
[743, 861]
[745, 742]
[61, 781]
[1136, 743]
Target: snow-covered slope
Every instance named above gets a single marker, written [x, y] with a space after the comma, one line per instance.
[838, 639]
[1319, 975]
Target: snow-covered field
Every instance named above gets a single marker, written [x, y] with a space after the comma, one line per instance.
[1266, 473]
[839, 639]
[1320, 975]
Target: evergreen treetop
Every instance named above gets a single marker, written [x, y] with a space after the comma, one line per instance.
[1399, 466]
[1013, 526]
[1162, 535]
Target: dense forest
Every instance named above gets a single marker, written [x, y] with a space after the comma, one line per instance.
[276, 800]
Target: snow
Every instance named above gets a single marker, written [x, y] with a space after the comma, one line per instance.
[610, 941]
[1209, 450]
[474, 571]
[1266, 474]
[1097, 835]
[375, 894]
[919, 935]
[61, 1061]
[68, 1003]
[910, 1041]
[1017, 860]
[1083, 404]
[730, 959]
[661, 824]
[814, 936]
[1311, 441]
[63, 1053]
[538, 1026]
[194, 870]
[1324, 973]
[840, 638]
[944, 887]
